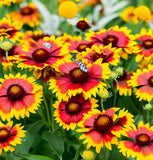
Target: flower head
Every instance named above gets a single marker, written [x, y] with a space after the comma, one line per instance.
[139, 144]
[28, 15]
[103, 128]
[82, 24]
[142, 13]
[69, 112]
[79, 77]
[68, 9]
[10, 136]
[19, 95]
[144, 81]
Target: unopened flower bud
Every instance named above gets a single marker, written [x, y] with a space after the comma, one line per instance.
[6, 45]
[148, 107]
[119, 71]
[113, 75]
[88, 155]
[103, 93]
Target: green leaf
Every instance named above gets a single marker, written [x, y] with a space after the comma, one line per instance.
[56, 143]
[35, 157]
[30, 137]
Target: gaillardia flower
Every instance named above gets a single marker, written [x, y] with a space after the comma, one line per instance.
[69, 112]
[145, 45]
[45, 52]
[144, 81]
[9, 29]
[103, 128]
[122, 84]
[106, 53]
[19, 95]
[6, 2]
[139, 143]
[28, 15]
[118, 37]
[68, 9]
[10, 136]
[79, 77]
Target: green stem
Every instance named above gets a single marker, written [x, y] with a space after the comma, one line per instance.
[1, 70]
[77, 154]
[46, 105]
[17, 155]
[104, 154]
[102, 106]
[52, 113]
[148, 115]
[6, 158]
[115, 91]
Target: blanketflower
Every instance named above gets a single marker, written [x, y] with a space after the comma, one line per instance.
[139, 143]
[45, 52]
[19, 95]
[9, 29]
[69, 112]
[28, 15]
[106, 53]
[68, 9]
[118, 37]
[143, 80]
[85, 78]
[104, 128]
[144, 44]
[10, 136]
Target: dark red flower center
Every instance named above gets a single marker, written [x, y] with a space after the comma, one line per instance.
[83, 46]
[94, 56]
[26, 11]
[150, 81]
[148, 44]
[111, 39]
[123, 77]
[103, 123]
[4, 134]
[37, 37]
[83, 25]
[78, 76]
[73, 107]
[15, 92]
[143, 139]
[40, 55]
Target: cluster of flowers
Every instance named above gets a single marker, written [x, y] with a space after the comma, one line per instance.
[77, 70]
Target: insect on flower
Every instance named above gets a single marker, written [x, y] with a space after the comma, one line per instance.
[81, 65]
[47, 45]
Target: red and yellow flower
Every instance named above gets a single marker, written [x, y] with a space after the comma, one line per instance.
[106, 53]
[28, 15]
[139, 144]
[143, 79]
[118, 37]
[75, 80]
[9, 29]
[19, 95]
[122, 84]
[45, 52]
[104, 128]
[10, 136]
[145, 45]
[69, 112]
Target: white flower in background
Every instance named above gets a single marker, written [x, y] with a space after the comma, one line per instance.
[51, 22]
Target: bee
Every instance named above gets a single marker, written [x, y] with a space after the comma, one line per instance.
[47, 45]
[81, 65]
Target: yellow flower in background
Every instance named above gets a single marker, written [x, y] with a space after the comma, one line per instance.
[142, 13]
[128, 15]
[60, 1]
[68, 9]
